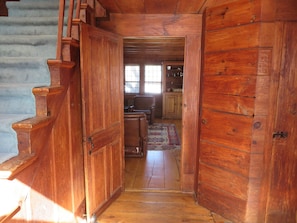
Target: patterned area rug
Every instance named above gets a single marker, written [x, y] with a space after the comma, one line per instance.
[162, 136]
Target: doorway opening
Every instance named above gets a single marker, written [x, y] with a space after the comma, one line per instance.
[159, 169]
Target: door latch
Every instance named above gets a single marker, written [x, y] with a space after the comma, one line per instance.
[280, 135]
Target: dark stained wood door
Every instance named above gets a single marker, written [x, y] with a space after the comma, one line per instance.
[102, 98]
[282, 199]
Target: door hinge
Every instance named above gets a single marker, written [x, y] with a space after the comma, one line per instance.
[92, 145]
[280, 135]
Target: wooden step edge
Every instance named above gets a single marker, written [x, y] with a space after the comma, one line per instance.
[60, 71]
[45, 91]
[32, 123]
[10, 168]
[9, 216]
[70, 49]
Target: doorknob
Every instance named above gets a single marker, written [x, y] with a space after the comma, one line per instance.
[280, 135]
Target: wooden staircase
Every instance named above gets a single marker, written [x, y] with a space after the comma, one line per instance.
[33, 134]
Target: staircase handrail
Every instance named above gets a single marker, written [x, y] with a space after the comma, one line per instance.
[69, 22]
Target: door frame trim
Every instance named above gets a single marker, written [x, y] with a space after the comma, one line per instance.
[188, 26]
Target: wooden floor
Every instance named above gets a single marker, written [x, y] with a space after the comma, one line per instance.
[157, 207]
[152, 192]
[159, 170]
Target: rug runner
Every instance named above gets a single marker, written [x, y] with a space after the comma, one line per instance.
[163, 136]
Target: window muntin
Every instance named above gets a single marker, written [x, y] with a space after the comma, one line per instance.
[153, 79]
[132, 78]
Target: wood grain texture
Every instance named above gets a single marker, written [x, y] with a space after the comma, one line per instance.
[239, 37]
[152, 6]
[225, 158]
[229, 103]
[143, 25]
[147, 207]
[222, 16]
[227, 129]
[215, 199]
[282, 198]
[232, 62]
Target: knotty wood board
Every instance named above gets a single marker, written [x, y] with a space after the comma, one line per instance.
[233, 14]
[227, 129]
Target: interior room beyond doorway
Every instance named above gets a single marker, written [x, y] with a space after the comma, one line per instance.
[159, 170]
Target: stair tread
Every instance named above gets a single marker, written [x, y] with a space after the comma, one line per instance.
[20, 85]
[27, 39]
[8, 119]
[36, 5]
[16, 164]
[31, 21]
[27, 61]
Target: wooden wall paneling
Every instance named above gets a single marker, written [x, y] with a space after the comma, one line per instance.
[239, 37]
[149, 25]
[61, 157]
[191, 6]
[190, 110]
[76, 153]
[233, 14]
[225, 157]
[229, 103]
[214, 3]
[227, 129]
[286, 10]
[233, 62]
[282, 195]
[230, 73]
[215, 199]
[166, 6]
[213, 177]
[230, 85]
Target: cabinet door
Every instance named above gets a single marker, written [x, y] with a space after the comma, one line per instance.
[169, 105]
[172, 105]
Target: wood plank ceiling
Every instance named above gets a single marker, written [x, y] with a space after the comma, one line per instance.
[153, 6]
[160, 49]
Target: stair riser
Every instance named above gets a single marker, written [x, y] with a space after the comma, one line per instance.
[27, 76]
[7, 120]
[19, 70]
[8, 142]
[33, 13]
[28, 30]
[15, 50]
[17, 105]
[14, 90]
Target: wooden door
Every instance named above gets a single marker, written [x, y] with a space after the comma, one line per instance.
[102, 98]
[282, 198]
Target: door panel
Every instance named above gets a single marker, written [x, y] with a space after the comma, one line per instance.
[282, 199]
[102, 98]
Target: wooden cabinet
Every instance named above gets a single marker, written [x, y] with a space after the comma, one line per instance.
[173, 73]
[172, 105]
[172, 89]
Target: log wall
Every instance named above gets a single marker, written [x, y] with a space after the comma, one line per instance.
[234, 109]
[238, 95]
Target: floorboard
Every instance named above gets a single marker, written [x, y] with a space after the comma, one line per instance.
[163, 207]
[152, 192]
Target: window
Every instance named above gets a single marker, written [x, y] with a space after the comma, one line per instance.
[153, 79]
[132, 78]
